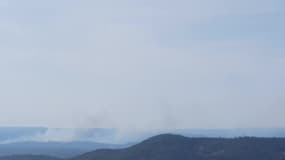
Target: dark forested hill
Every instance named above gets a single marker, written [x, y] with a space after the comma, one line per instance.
[174, 147]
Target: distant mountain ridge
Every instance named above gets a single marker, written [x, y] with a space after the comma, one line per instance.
[56, 149]
[28, 157]
[41, 134]
[115, 136]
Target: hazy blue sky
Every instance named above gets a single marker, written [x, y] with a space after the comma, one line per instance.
[142, 64]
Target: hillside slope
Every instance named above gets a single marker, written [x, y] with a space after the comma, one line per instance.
[174, 147]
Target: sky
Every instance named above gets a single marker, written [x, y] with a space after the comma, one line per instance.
[137, 65]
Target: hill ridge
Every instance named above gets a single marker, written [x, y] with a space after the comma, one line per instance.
[177, 147]
[172, 147]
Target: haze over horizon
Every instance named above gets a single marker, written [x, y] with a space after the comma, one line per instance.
[142, 65]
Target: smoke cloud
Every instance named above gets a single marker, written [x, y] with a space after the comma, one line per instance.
[140, 66]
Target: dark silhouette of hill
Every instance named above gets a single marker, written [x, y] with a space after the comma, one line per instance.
[175, 147]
